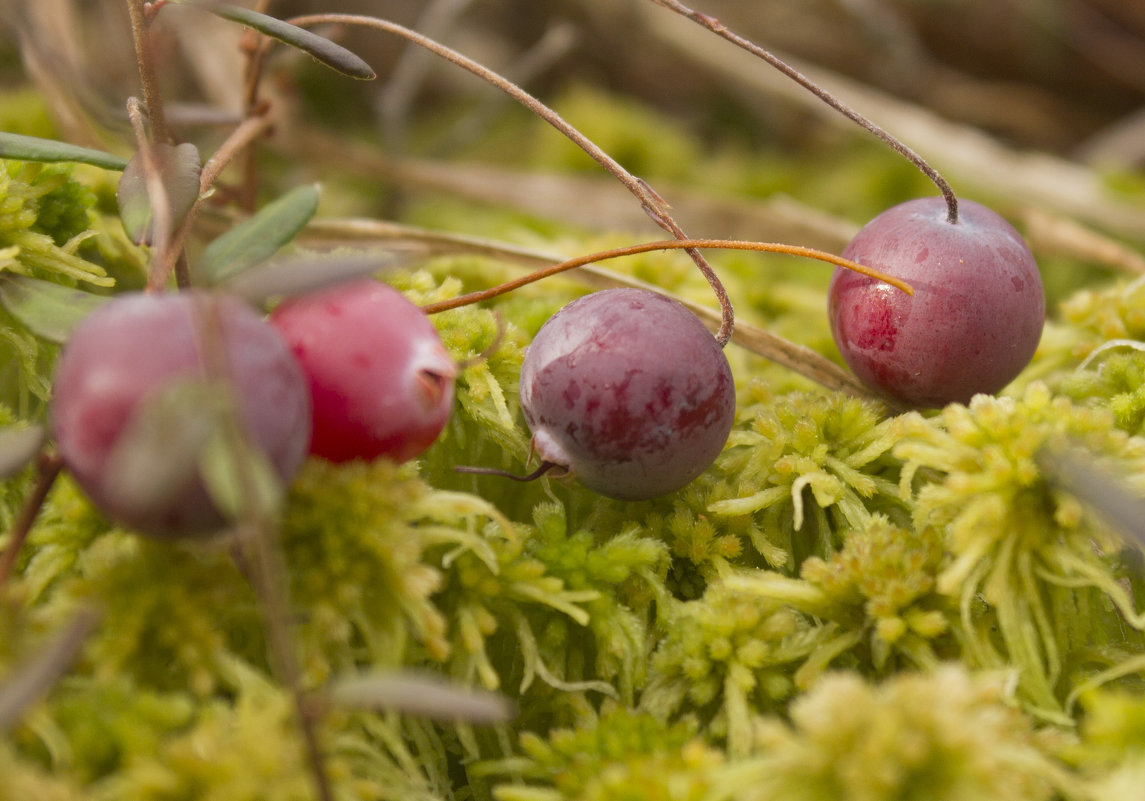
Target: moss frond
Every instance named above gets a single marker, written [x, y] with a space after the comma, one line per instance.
[620, 755]
[947, 734]
[1036, 580]
[805, 467]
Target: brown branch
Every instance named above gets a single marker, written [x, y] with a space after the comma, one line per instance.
[652, 202]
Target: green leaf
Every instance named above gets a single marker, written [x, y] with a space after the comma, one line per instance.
[33, 148]
[239, 477]
[301, 274]
[421, 695]
[179, 167]
[1083, 474]
[48, 310]
[18, 446]
[332, 55]
[157, 455]
[257, 239]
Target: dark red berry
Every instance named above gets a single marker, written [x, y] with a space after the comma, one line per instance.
[134, 346]
[380, 379]
[974, 320]
[629, 391]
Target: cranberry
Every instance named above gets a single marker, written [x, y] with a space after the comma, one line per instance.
[380, 378]
[629, 391]
[132, 347]
[974, 320]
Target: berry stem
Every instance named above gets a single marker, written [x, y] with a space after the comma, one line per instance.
[670, 244]
[718, 28]
[247, 131]
[258, 532]
[653, 204]
[152, 100]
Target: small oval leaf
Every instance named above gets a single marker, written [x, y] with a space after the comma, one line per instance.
[48, 310]
[179, 167]
[256, 239]
[300, 274]
[326, 52]
[18, 447]
[420, 695]
[33, 148]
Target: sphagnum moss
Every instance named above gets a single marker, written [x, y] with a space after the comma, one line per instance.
[805, 467]
[1036, 579]
[947, 734]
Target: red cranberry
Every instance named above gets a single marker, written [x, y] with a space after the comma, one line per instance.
[974, 320]
[380, 378]
[130, 348]
[629, 391]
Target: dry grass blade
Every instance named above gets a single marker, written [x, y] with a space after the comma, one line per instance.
[424, 696]
[1052, 233]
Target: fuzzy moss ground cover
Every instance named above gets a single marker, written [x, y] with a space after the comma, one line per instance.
[849, 604]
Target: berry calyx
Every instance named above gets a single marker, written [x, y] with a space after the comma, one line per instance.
[629, 391]
[973, 322]
[380, 378]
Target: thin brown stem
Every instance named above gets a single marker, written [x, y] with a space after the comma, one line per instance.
[160, 237]
[48, 468]
[652, 202]
[266, 567]
[152, 99]
[721, 30]
[247, 131]
[670, 244]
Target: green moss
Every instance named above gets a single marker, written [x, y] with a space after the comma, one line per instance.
[1036, 580]
[947, 735]
[732, 653]
[883, 581]
[619, 755]
[804, 467]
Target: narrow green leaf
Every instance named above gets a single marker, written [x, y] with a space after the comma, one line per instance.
[157, 455]
[179, 167]
[18, 446]
[421, 695]
[1084, 475]
[301, 274]
[48, 310]
[32, 679]
[332, 55]
[239, 477]
[256, 239]
[33, 148]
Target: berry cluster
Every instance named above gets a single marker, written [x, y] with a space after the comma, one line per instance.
[352, 371]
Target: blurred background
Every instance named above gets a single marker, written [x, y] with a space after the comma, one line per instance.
[1030, 104]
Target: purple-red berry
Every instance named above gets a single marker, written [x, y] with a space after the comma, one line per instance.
[629, 391]
[380, 379]
[974, 320]
[130, 349]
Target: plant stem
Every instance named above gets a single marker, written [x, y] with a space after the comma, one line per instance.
[246, 132]
[653, 204]
[152, 99]
[718, 28]
[48, 466]
[671, 244]
[258, 531]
